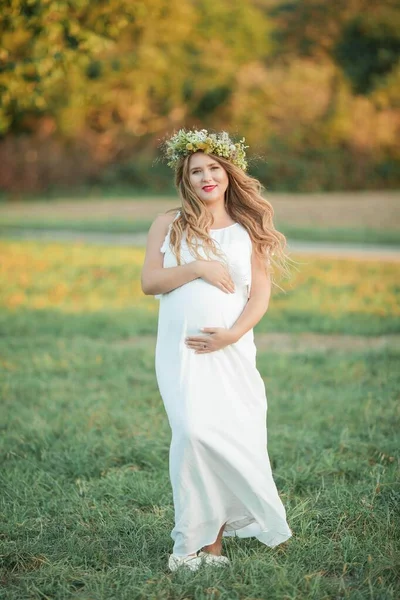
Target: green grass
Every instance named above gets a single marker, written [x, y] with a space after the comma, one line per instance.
[360, 235]
[101, 226]
[86, 501]
[85, 498]
[89, 193]
[73, 287]
[65, 289]
[351, 235]
[125, 324]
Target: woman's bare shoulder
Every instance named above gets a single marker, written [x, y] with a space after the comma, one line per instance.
[164, 219]
[161, 223]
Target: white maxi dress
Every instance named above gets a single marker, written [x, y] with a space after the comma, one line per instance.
[217, 407]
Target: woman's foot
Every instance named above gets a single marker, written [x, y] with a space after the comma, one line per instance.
[211, 555]
[214, 549]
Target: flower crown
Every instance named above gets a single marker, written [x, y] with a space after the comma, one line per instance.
[188, 142]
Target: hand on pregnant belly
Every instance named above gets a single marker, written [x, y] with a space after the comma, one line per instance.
[216, 338]
[216, 273]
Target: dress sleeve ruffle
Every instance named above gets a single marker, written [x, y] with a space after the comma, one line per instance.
[166, 241]
[165, 245]
[240, 263]
[243, 265]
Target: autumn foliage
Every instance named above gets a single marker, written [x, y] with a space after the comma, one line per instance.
[88, 89]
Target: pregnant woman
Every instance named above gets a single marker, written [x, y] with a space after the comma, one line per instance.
[211, 264]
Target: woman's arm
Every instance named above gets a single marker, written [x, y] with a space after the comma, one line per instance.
[216, 338]
[154, 278]
[258, 302]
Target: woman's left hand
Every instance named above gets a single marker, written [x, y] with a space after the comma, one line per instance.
[216, 339]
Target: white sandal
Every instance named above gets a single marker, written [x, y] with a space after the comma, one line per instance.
[194, 562]
[213, 559]
[190, 562]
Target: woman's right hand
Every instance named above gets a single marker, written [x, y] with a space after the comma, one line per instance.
[216, 273]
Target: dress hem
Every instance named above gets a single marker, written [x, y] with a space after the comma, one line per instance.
[267, 537]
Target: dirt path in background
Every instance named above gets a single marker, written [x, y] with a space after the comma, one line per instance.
[374, 210]
[296, 342]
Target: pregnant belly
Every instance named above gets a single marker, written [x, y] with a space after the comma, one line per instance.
[199, 304]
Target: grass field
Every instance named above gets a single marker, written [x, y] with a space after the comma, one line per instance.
[360, 217]
[85, 495]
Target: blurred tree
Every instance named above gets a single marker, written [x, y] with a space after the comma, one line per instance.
[86, 85]
[369, 47]
[174, 67]
[42, 41]
[141, 64]
[227, 35]
[309, 28]
[314, 28]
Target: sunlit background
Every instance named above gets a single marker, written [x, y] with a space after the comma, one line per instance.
[88, 90]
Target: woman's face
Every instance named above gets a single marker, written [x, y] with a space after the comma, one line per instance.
[208, 178]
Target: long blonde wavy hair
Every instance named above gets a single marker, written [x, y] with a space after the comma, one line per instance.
[245, 205]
